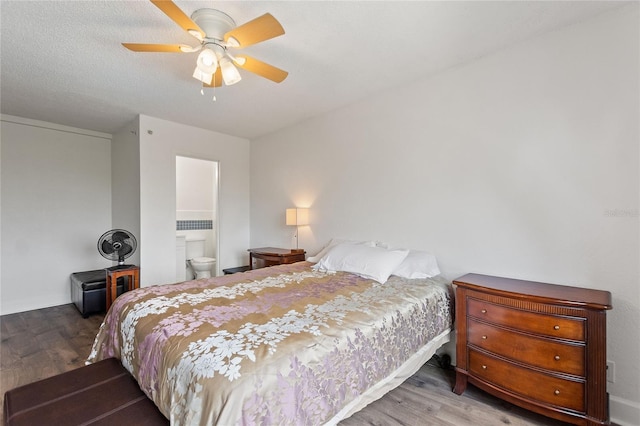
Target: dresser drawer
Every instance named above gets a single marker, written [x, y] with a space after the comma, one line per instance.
[531, 384]
[543, 353]
[548, 325]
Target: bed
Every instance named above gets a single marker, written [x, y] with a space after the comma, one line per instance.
[289, 344]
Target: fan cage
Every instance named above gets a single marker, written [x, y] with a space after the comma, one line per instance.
[117, 245]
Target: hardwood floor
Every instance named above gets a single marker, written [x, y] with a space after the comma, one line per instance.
[41, 343]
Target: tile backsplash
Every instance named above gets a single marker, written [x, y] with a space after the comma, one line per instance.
[187, 225]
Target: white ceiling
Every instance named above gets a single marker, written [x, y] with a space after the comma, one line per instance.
[62, 61]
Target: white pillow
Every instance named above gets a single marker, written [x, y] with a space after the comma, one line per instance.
[369, 262]
[335, 241]
[382, 244]
[418, 264]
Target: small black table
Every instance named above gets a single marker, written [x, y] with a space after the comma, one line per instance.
[235, 270]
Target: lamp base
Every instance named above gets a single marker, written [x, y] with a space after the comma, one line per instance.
[297, 250]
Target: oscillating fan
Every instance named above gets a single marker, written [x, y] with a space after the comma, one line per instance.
[117, 244]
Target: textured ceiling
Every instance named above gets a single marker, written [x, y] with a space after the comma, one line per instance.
[62, 61]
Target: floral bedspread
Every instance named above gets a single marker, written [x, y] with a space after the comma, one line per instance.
[280, 345]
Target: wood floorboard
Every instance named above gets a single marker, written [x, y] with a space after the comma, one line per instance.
[45, 342]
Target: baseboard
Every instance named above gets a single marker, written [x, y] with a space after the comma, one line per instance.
[24, 305]
[623, 412]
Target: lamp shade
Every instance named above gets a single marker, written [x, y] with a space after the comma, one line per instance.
[230, 74]
[202, 76]
[297, 217]
[207, 61]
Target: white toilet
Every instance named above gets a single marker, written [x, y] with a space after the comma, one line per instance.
[200, 265]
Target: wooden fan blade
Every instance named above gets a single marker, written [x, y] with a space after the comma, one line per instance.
[178, 16]
[260, 29]
[142, 47]
[261, 68]
[217, 79]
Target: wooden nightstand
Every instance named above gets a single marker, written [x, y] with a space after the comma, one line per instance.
[271, 256]
[132, 273]
[540, 346]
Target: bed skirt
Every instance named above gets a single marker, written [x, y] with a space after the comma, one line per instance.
[406, 370]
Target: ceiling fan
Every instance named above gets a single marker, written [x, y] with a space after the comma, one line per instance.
[217, 32]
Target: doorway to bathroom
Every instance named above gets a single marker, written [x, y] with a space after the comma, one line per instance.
[196, 218]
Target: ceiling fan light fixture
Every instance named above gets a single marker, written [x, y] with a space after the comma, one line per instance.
[202, 76]
[207, 61]
[230, 74]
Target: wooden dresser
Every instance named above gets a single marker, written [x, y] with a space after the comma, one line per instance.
[540, 346]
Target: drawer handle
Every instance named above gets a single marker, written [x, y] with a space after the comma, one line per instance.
[484, 311]
[556, 327]
[484, 367]
[557, 357]
[484, 337]
[556, 392]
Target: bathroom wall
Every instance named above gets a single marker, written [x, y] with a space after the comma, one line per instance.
[196, 199]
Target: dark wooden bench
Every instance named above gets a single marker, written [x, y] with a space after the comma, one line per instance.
[103, 393]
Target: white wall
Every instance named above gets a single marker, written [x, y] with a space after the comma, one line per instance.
[160, 142]
[125, 183]
[523, 164]
[56, 202]
[58, 184]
